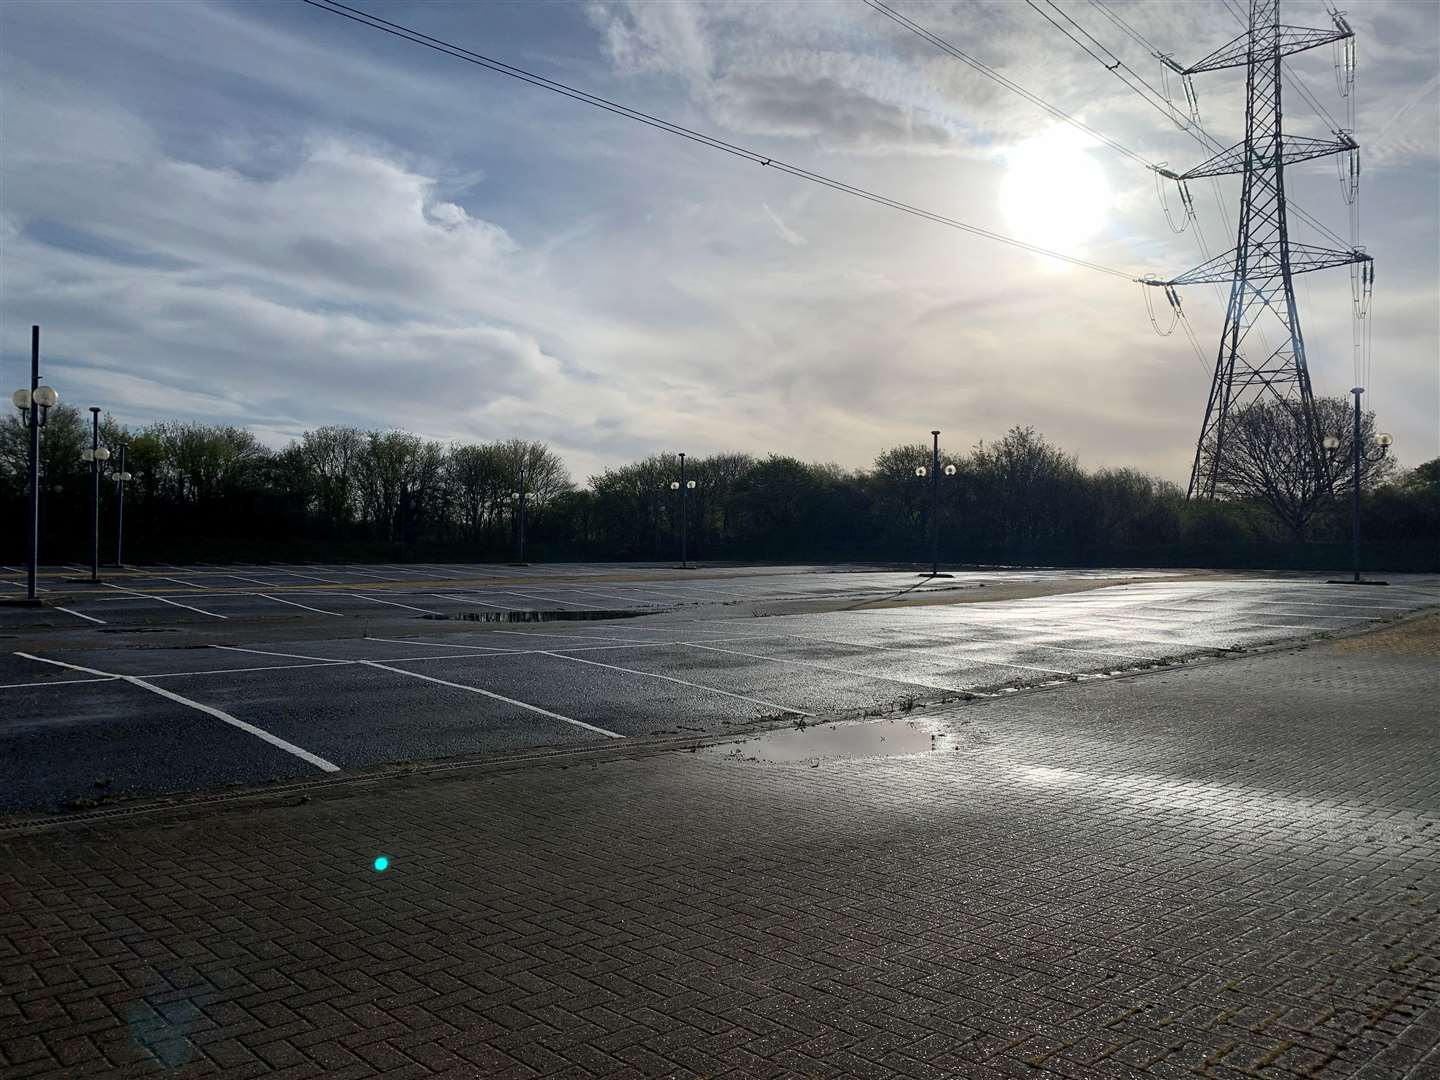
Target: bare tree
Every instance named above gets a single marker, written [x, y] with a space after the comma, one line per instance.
[537, 470]
[1268, 457]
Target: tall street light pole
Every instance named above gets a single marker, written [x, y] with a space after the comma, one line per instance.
[1355, 483]
[33, 415]
[518, 498]
[121, 479]
[35, 404]
[684, 487]
[934, 473]
[935, 504]
[1331, 442]
[96, 455]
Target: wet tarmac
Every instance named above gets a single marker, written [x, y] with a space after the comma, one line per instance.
[152, 692]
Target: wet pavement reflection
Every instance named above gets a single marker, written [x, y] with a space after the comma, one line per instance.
[814, 743]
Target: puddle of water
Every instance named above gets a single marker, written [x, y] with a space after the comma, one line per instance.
[829, 742]
[540, 616]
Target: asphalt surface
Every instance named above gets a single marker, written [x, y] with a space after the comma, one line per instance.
[166, 680]
[169, 596]
[1224, 869]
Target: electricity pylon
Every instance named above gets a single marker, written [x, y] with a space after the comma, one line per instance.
[1264, 261]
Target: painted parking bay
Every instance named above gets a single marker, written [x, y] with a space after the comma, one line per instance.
[256, 696]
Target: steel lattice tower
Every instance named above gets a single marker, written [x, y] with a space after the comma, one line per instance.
[1264, 261]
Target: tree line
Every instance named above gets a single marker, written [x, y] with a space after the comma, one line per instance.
[215, 492]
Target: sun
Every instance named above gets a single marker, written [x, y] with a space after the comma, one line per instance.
[1053, 193]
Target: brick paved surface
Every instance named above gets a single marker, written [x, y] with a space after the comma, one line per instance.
[1230, 870]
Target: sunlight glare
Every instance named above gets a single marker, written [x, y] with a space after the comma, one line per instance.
[1054, 194]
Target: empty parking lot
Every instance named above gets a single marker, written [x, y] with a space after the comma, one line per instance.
[178, 678]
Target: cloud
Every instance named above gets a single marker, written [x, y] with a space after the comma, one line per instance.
[263, 215]
[789, 235]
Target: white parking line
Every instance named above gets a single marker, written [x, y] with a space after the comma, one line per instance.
[292, 603]
[1309, 615]
[56, 682]
[430, 678]
[546, 599]
[79, 614]
[573, 637]
[392, 603]
[311, 577]
[1266, 614]
[651, 586]
[830, 667]
[1375, 605]
[681, 682]
[1274, 626]
[178, 581]
[163, 600]
[259, 733]
[919, 655]
[497, 697]
[1039, 645]
[243, 670]
[437, 644]
[616, 596]
[1122, 632]
[486, 655]
[466, 600]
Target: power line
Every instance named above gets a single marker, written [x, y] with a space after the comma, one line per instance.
[991, 73]
[1155, 99]
[405, 33]
[1054, 110]
[1162, 104]
[1119, 21]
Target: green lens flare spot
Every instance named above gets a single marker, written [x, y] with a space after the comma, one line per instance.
[381, 864]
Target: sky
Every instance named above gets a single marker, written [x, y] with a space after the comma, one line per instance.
[266, 215]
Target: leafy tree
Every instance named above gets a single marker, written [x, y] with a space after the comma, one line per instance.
[479, 478]
[330, 455]
[195, 463]
[1126, 508]
[632, 507]
[1027, 492]
[215, 492]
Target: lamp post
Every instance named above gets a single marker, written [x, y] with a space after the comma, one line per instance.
[518, 498]
[684, 487]
[121, 479]
[934, 473]
[1332, 443]
[35, 405]
[95, 455]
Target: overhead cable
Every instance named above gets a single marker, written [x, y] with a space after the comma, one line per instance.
[992, 74]
[1159, 101]
[1135, 35]
[405, 33]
